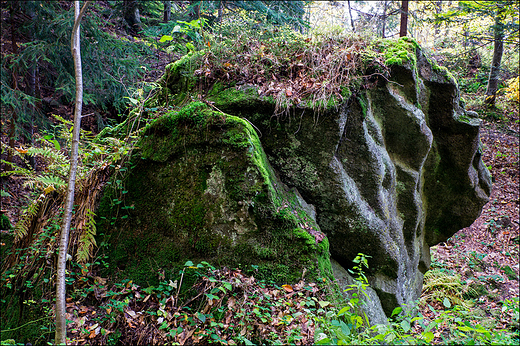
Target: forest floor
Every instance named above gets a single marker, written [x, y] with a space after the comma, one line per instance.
[484, 258]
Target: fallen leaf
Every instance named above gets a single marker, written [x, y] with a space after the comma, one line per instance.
[287, 288]
[49, 189]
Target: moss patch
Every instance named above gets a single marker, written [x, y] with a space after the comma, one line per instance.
[201, 188]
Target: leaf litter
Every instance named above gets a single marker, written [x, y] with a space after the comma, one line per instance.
[228, 308]
[486, 254]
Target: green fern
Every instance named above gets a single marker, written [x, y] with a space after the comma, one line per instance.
[22, 226]
[50, 153]
[44, 181]
[439, 285]
[15, 169]
[87, 240]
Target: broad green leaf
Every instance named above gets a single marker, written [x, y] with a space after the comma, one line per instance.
[56, 144]
[344, 310]
[405, 325]
[397, 311]
[344, 328]
[188, 264]
[201, 317]
[446, 303]
[428, 336]
[165, 38]
[323, 303]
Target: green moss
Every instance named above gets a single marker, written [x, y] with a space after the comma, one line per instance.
[398, 52]
[363, 103]
[203, 190]
[5, 224]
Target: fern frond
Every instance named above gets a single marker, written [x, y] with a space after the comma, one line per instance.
[87, 240]
[44, 181]
[48, 153]
[15, 170]
[22, 226]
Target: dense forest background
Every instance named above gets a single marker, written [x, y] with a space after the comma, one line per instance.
[125, 46]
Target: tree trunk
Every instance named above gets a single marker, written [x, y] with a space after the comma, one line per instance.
[131, 14]
[61, 326]
[404, 18]
[384, 18]
[498, 51]
[31, 89]
[350, 14]
[220, 11]
[14, 45]
[167, 11]
[438, 10]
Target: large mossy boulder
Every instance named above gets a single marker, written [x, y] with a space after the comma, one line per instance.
[201, 189]
[387, 168]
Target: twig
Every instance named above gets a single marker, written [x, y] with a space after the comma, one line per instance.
[379, 74]
[179, 288]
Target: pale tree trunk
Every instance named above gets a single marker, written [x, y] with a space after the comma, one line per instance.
[498, 51]
[384, 18]
[404, 18]
[61, 326]
[350, 14]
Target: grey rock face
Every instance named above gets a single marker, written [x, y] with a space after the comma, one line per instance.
[394, 171]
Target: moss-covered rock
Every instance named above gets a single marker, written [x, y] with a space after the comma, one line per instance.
[391, 170]
[201, 188]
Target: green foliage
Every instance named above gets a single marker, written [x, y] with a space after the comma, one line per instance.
[109, 64]
[467, 11]
[5, 224]
[447, 289]
[347, 326]
[87, 239]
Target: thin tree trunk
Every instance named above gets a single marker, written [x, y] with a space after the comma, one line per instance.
[438, 10]
[404, 18]
[167, 15]
[220, 11]
[351, 19]
[384, 19]
[14, 45]
[31, 85]
[61, 326]
[498, 51]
